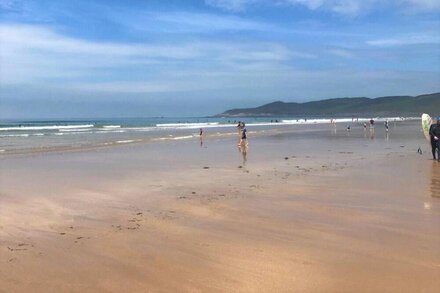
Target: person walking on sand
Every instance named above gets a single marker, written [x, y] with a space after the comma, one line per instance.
[434, 133]
[386, 125]
[201, 132]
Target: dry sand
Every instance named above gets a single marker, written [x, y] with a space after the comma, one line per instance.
[293, 214]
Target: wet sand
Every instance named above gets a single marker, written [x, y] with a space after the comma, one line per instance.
[312, 211]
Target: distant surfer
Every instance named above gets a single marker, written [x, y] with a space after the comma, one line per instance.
[434, 133]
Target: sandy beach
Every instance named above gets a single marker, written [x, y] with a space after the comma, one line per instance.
[298, 211]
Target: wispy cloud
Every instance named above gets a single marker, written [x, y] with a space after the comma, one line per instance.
[204, 21]
[412, 39]
[231, 5]
[343, 53]
[342, 7]
[37, 54]
[8, 4]
[184, 22]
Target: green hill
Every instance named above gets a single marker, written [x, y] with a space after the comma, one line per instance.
[383, 106]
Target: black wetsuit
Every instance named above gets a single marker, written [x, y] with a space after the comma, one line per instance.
[434, 130]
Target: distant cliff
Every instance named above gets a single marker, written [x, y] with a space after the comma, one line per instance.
[383, 106]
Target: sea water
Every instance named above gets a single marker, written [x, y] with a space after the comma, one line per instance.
[22, 135]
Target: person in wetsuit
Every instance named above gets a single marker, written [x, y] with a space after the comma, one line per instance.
[434, 133]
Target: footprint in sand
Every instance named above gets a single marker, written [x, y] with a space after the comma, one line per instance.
[12, 259]
[20, 247]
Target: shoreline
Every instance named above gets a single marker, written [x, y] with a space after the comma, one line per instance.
[181, 132]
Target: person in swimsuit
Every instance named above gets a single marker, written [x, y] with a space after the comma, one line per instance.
[243, 140]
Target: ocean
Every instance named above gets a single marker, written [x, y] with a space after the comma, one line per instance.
[18, 136]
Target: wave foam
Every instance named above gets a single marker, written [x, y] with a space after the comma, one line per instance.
[15, 135]
[188, 125]
[47, 127]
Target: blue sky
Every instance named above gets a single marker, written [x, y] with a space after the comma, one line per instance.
[201, 57]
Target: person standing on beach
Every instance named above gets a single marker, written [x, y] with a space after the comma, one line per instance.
[434, 133]
[371, 123]
[365, 126]
[239, 128]
[243, 140]
[201, 137]
[386, 125]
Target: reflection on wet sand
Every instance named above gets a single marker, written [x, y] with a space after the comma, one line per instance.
[435, 180]
[243, 150]
[372, 134]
